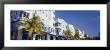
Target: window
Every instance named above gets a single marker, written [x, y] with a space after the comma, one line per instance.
[56, 38]
[66, 26]
[53, 24]
[51, 37]
[46, 15]
[56, 24]
[45, 37]
[51, 29]
[58, 29]
[63, 31]
[42, 19]
[43, 12]
[45, 28]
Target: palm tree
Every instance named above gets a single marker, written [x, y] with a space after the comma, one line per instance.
[77, 36]
[68, 32]
[33, 24]
[37, 25]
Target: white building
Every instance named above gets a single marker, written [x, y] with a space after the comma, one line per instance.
[81, 34]
[51, 24]
[16, 25]
[62, 26]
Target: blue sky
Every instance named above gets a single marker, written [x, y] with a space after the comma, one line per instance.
[87, 20]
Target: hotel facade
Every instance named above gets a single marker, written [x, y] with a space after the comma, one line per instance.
[53, 27]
